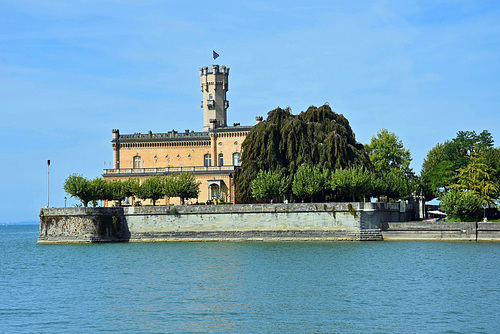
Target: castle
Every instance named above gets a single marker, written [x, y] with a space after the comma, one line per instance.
[211, 155]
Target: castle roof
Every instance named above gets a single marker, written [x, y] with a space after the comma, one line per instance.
[179, 136]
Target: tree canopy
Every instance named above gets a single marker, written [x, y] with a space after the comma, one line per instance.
[477, 178]
[310, 181]
[269, 186]
[444, 161]
[464, 205]
[183, 185]
[80, 187]
[283, 142]
[387, 152]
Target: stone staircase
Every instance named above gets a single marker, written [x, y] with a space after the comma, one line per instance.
[370, 235]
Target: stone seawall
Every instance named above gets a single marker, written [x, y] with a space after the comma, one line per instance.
[424, 230]
[297, 221]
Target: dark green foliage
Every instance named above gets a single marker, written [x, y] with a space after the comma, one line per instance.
[491, 158]
[283, 142]
[440, 167]
[459, 148]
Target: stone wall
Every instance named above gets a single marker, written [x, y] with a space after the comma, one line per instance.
[424, 230]
[301, 221]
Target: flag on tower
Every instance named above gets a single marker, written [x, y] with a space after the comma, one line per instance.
[215, 54]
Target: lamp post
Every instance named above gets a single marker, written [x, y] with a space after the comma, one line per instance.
[65, 201]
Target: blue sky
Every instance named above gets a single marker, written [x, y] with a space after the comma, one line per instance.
[70, 71]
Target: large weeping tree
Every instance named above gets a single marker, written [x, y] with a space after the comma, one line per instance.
[283, 142]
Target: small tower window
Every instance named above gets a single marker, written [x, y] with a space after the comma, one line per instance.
[208, 160]
[221, 159]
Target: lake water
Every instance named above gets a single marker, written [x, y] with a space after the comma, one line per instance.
[247, 287]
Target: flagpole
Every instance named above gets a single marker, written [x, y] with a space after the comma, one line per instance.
[48, 183]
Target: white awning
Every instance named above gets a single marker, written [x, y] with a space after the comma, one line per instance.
[435, 212]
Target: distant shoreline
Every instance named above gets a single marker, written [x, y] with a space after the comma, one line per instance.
[20, 223]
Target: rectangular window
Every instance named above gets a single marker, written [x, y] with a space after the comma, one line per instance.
[208, 160]
[137, 162]
[236, 159]
[221, 159]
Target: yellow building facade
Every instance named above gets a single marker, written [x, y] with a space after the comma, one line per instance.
[211, 155]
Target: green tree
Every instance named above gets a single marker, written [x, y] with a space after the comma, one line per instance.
[185, 186]
[464, 205]
[386, 152]
[151, 188]
[437, 172]
[80, 187]
[131, 187]
[440, 167]
[269, 186]
[310, 181]
[459, 148]
[98, 190]
[114, 191]
[491, 158]
[284, 142]
[353, 182]
[170, 186]
[395, 185]
[476, 177]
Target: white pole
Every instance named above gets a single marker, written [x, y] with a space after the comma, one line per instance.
[48, 182]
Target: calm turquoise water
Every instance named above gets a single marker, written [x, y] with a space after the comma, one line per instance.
[249, 287]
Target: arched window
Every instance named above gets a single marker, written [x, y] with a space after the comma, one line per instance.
[221, 159]
[208, 160]
[137, 161]
[236, 159]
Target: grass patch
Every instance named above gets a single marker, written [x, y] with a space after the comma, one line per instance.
[452, 220]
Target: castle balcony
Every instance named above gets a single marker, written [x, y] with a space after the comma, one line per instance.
[167, 170]
[211, 104]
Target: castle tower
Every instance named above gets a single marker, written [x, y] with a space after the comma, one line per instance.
[214, 85]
